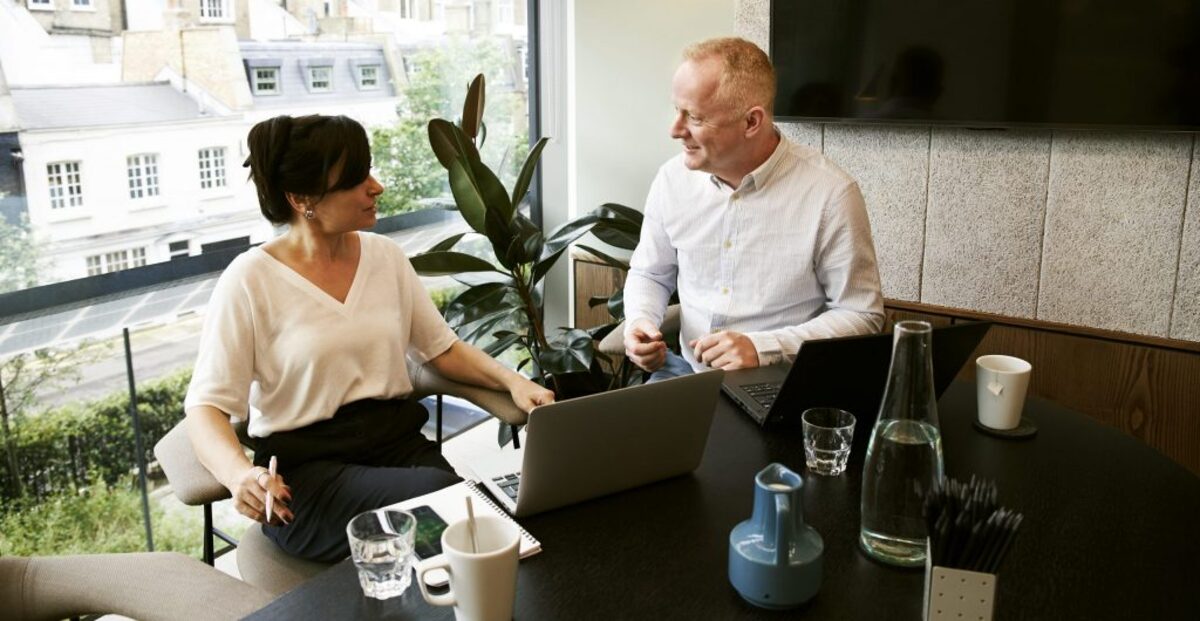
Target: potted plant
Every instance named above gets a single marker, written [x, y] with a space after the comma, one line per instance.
[502, 304]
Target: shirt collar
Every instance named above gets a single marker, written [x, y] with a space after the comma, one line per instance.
[759, 177]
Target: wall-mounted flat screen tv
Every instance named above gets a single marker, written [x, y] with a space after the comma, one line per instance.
[990, 63]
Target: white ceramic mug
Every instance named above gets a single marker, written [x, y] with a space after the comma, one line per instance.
[1000, 386]
[483, 584]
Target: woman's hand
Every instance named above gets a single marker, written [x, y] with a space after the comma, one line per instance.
[250, 496]
[528, 395]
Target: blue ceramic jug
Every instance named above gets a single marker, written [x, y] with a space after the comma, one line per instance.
[774, 557]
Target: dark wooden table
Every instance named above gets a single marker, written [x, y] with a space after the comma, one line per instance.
[1112, 531]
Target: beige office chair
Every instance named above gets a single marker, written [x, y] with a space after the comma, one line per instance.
[145, 586]
[260, 562]
[613, 344]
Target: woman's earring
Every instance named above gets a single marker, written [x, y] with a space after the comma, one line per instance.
[309, 214]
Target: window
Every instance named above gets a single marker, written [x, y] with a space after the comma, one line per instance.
[368, 77]
[81, 4]
[116, 261]
[179, 249]
[40, 5]
[504, 12]
[320, 78]
[213, 10]
[66, 188]
[266, 80]
[212, 168]
[408, 9]
[143, 175]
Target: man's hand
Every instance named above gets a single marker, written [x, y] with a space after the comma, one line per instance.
[528, 395]
[725, 350]
[645, 346]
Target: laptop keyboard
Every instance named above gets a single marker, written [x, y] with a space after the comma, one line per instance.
[508, 484]
[763, 393]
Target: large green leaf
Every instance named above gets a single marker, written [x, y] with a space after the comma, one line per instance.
[504, 340]
[558, 241]
[529, 237]
[606, 259]
[526, 176]
[444, 143]
[477, 302]
[618, 225]
[447, 243]
[473, 107]
[472, 332]
[468, 195]
[570, 352]
[446, 263]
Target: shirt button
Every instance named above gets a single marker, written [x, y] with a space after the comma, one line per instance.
[725, 290]
[728, 244]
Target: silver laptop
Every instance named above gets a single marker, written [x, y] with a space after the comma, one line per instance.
[591, 446]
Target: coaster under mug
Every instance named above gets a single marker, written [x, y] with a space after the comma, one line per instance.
[1024, 430]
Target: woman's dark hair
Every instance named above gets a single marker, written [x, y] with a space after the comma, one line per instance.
[295, 154]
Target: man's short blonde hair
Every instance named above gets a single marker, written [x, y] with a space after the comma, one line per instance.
[747, 77]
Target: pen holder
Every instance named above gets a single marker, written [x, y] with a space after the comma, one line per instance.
[958, 594]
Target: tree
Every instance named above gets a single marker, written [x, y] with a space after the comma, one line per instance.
[19, 255]
[23, 377]
[403, 161]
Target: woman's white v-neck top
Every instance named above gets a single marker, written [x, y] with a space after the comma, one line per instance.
[306, 353]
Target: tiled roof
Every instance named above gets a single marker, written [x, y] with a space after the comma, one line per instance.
[55, 107]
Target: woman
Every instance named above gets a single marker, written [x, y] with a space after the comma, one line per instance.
[319, 320]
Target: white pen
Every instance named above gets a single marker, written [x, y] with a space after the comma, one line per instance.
[270, 479]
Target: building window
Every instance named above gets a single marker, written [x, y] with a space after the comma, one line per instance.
[116, 261]
[212, 168]
[408, 9]
[81, 4]
[143, 175]
[66, 187]
[504, 12]
[213, 9]
[179, 249]
[320, 79]
[266, 80]
[42, 5]
[368, 77]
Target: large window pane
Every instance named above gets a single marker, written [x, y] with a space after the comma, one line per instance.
[127, 154]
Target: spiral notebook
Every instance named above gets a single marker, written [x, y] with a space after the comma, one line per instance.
[450, 505]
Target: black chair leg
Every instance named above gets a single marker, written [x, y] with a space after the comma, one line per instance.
[439, 421]
[208, 534]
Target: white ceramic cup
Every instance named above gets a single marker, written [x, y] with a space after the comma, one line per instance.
[1000, 386]
[483, 584]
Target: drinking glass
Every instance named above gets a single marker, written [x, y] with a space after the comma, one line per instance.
[828, 433]
[381, 544]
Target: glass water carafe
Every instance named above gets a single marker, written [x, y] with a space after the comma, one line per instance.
[904, 457]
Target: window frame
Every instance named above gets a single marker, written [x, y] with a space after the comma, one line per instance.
[219, 179]
[145, 173]
[86, 6]
[61, 179]
[257, 81]
[39, 5]
[33, 301]
[224, 9]
[310, 78]
[360, 70]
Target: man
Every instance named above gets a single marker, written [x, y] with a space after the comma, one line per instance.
[767, 241]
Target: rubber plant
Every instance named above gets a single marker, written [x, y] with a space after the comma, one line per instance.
[501, 307]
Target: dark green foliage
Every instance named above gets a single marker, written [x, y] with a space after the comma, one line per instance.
[91, 444]
[505, 311]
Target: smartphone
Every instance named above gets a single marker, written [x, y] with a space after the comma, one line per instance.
[429, 532]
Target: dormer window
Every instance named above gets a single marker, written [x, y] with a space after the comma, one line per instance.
[265, 76]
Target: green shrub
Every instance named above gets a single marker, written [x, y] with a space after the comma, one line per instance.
[78, 445]
[97, 520]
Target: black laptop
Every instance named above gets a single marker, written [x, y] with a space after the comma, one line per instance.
[848, 373]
